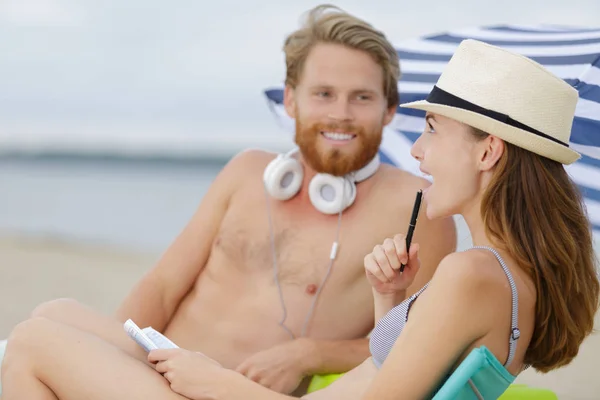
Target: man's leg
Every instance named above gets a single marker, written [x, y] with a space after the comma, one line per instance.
[77, 315]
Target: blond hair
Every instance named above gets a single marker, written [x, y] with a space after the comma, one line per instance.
[344, 29]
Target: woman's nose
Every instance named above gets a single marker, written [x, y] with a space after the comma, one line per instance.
[416, 151]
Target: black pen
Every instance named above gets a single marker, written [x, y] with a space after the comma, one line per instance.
[413, 223]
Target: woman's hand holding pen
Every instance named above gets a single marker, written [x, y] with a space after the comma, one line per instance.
[382, 265]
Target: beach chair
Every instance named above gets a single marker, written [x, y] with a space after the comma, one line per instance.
[479, 376]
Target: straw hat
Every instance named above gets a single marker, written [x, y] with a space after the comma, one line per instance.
[506, 95]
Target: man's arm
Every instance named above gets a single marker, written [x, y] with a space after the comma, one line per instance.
[281, 368]
[154, 299]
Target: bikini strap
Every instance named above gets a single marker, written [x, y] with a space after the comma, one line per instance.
[515, 333]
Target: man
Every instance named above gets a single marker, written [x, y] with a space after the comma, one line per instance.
[241, 281]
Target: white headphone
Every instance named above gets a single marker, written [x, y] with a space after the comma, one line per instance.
[328, 194]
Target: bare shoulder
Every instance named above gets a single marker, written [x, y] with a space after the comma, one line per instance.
[244, 164]
[469, 275]
[243, 167]
[248, 160]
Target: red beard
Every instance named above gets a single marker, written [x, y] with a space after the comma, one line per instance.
[336, 161]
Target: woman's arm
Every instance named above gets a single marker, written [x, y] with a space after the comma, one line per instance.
[350, 386]
[385, 302]
[455, 311]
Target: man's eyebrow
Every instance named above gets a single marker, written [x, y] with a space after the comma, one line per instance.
[430, 117]
[330, 87]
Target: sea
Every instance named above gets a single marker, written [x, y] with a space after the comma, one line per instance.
[129, 203]
[126, 203]
[133, 204]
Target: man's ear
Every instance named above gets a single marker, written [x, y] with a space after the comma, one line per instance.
[289, 101]
[390, 112]
[492, 150]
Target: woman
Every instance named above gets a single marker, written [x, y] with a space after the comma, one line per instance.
[528, 290]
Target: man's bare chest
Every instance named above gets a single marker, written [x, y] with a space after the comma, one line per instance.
[300, 255]
[294, 239]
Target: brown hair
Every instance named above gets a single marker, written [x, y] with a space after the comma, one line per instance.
[534, 209]
[347, 30]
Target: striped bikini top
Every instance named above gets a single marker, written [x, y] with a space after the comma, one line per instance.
[390, 326]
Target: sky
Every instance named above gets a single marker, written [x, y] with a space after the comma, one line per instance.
[187, 76]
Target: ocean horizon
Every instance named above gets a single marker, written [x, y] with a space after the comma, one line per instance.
[128, 203]
[131, 203]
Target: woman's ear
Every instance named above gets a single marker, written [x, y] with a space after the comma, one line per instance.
[492, 149]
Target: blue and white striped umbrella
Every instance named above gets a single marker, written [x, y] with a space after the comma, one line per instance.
[569, 52]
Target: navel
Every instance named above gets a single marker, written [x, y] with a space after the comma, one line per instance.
[311, 289]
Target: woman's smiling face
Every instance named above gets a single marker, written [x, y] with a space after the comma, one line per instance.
[449, 152]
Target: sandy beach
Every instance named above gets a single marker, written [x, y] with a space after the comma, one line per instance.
[33, 271]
